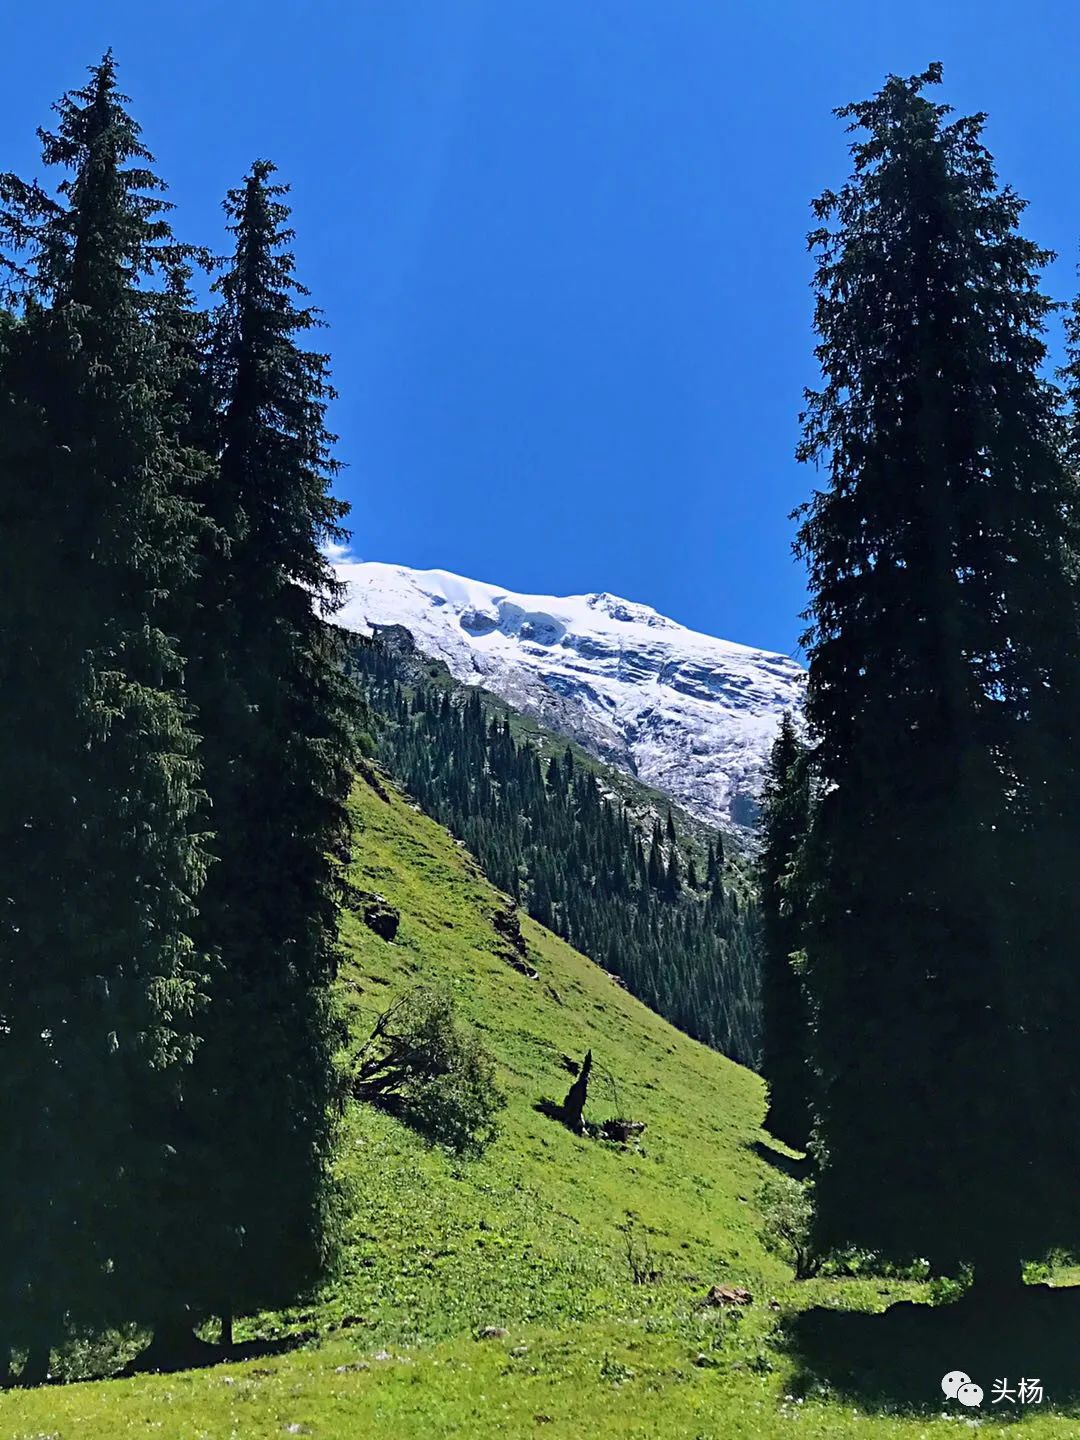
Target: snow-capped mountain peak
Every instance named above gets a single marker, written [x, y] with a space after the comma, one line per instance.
[690, 715]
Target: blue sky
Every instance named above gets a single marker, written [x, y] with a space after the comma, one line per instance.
[560, 244]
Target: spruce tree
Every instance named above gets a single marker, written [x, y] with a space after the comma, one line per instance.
[942, 700]
[656, 858]
[100, 814]
[1050, 858]
[785, 816]
[266, 674]
[554, 777]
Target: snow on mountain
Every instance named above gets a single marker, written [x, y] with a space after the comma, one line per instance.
[690, 715]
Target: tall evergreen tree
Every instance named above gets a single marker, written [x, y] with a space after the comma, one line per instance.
[710, 865]
[100, 852]
[785, 817]
[943, 664]
[554, 774]
[1051, 855]
[266, 674]
[656, 858]
[672, 878]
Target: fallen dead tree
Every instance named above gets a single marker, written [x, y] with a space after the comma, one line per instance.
[422, 1064]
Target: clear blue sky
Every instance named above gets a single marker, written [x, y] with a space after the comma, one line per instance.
[560, 245]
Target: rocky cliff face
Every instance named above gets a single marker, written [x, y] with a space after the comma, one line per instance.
[691, 715]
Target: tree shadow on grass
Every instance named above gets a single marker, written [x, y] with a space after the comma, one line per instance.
[552, 1110]
[207, 1354]
[798, 1167]
[896, 1359]
[200, 1356]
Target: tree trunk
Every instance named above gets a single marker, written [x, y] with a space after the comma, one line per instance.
[999, 1274]
[175, 1346]
[227, 1329]
[36, 1369]
[574, 1104]
[998, 1285]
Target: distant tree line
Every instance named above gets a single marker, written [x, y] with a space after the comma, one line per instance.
[176, 750]
[922, 836]
[678, 927]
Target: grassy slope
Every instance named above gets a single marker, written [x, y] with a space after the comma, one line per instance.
[526, 1238]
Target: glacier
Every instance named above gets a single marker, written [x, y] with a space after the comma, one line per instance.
[688, 714]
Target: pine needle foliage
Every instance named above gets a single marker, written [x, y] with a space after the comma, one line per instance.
[942, 702]
[101, 982]
[785, 819]
[265, 671]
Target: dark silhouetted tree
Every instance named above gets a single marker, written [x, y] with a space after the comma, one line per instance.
[266, 674]
[100, 818]
[785, 817]
[943, 705]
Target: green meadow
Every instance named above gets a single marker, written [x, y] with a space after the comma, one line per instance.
[496, 1296]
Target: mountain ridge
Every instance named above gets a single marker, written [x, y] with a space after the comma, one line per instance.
[690, 714]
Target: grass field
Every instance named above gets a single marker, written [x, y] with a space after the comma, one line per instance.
[531, 1238]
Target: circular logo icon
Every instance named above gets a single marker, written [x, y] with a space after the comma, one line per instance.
[970, 1394]
[952, 1381]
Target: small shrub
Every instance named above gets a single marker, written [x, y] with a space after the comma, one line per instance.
[947, 1289]
[787, 1209]
[424, 1066]
[863, 1264]
[639, 1256]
